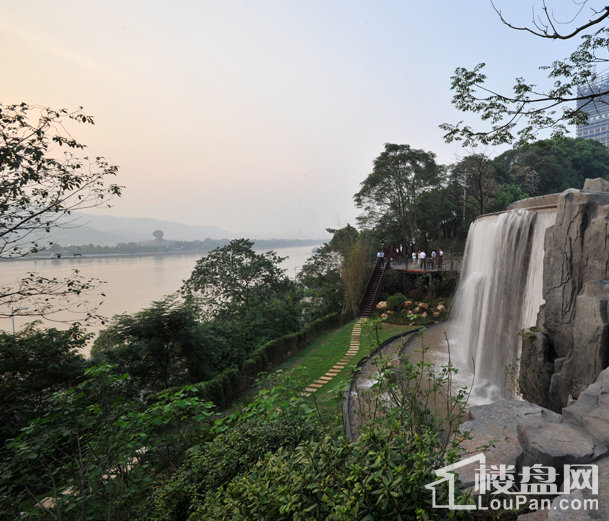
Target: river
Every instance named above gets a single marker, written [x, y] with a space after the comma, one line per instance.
[132, 282]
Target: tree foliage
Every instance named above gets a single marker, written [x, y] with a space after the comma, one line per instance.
[42, 182]
[555, 164]
[161, 346]
[355, 251]
[399, 176]
[233, 279]
[528, 110]
[34, 364]
[93, 455]
[324, 291]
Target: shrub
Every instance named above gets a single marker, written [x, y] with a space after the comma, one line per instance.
[278, 418]
[395, 302]
[381, 475]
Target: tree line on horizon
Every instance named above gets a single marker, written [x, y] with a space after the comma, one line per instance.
[171, 246]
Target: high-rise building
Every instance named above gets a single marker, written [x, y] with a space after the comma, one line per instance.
[597, 110]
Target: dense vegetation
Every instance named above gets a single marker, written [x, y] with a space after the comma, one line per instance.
[409, 199]
[133, 432]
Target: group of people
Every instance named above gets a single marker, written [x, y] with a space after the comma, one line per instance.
[420, 261]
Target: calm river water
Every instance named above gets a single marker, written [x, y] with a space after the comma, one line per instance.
[132, 282]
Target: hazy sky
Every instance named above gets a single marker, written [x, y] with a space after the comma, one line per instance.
[260, 115]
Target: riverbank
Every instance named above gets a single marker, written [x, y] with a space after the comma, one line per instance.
[47, 255]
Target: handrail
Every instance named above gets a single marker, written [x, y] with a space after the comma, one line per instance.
[375, 298]
[369, 285]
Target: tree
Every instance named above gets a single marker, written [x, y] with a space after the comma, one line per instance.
[34, 364]
[434, 211]
[532, 108]
[160, 346]
[556, 164]
[476, 176]
[93, 455]
[233, 279]
[323, 287]
[399, 176]
[39, 190]
[355, 250]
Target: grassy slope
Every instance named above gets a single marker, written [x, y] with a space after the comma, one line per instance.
[321, 355]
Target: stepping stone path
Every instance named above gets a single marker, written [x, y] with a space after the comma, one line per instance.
[354, 345]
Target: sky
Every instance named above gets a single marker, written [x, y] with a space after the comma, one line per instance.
[260, 116]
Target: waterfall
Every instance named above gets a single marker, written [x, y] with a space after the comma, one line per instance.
[499, 294]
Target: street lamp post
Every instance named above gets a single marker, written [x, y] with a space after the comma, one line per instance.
[13, 316]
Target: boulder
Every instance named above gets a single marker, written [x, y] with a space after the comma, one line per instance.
[424, 315]
[436, 314]
[381, 305]
[417, 309]
[539, 515]
[590, 352]
[383, 315]
[407, 304]
[596, 185]
[556, 444]
[591, 410]
[498, 422]
[424, 305]
[389, 312]
[557, 512]
[441, 308]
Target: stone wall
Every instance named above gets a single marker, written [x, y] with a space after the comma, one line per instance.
[576, 290]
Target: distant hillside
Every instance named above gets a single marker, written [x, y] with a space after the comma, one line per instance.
[107, 230]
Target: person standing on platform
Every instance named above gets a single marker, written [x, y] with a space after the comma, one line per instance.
[433, 258]
[423, 257]
[414, 259]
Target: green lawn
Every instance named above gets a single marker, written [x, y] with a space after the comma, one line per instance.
[321, 355]
[331, 396]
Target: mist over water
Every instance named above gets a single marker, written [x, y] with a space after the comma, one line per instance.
[499, 294]
[132, 282]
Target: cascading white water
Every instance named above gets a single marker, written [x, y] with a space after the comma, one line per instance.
[500, 293]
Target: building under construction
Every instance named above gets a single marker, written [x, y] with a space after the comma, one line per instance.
[597, 110]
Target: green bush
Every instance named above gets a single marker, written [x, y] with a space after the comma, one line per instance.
[395, 302]
[392, 282]
[381, 475]
[278, 418]
[222, 389]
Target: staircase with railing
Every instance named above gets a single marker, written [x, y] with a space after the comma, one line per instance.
[373, 288]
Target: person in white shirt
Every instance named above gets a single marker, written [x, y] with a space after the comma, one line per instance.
[423, 256]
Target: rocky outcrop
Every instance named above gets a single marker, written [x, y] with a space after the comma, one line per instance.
[576, 288]
[498, 423]
[554, 444]
[536, 367]
[528, 434]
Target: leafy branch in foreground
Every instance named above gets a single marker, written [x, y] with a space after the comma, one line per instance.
[39, 187]
[529, 110]
[41, 183]
[39, 296]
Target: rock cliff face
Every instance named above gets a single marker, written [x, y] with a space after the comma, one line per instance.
[576, 291]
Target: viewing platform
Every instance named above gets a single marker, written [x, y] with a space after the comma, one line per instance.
[429, 266]
[426, 266]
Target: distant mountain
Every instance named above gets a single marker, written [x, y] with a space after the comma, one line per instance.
[107, 230]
